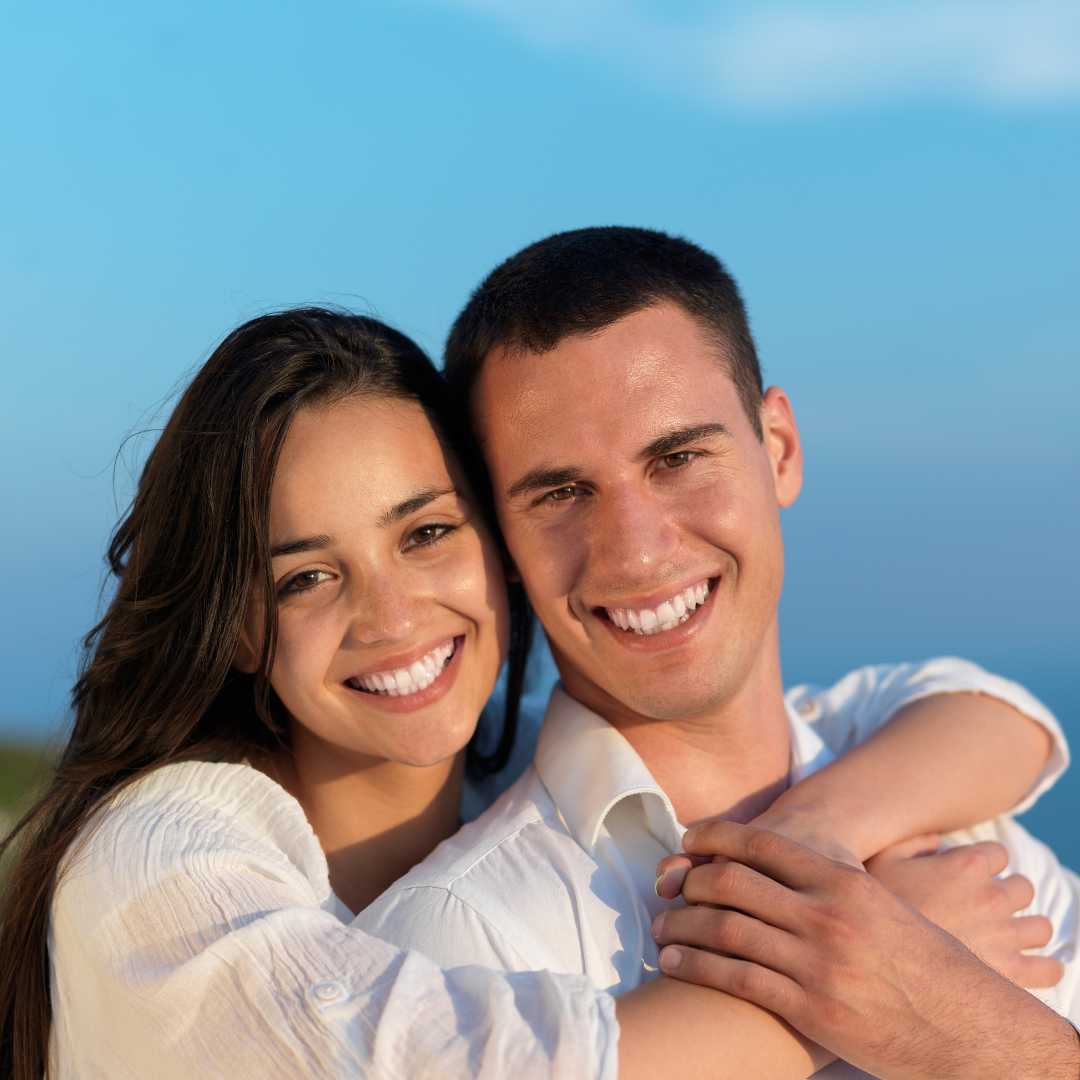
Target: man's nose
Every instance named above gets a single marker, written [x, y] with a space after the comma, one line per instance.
[632, 537]
[382, 610]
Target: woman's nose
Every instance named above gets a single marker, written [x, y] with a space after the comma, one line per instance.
[383, 611]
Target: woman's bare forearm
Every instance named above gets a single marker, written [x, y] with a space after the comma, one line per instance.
[943, 762]
[669, 1027]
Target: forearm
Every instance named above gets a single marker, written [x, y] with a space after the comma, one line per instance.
[675, 1027]
[941, 763]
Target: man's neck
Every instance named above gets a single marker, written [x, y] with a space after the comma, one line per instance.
[733, 760]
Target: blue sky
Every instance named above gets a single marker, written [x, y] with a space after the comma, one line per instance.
[894, 186]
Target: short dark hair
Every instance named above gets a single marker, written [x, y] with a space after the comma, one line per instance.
[580, 281]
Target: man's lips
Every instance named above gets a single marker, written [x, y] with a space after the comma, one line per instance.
[666, 615]
[667, 622]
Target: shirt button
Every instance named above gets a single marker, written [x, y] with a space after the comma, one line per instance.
[327, 992]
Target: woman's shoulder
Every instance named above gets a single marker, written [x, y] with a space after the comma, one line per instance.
[194, 814]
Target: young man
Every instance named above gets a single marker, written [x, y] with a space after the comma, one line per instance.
[639, 469]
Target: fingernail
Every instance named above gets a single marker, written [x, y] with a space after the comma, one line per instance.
[658, 925]
[670, 958]
[659, 879]
[688, 839]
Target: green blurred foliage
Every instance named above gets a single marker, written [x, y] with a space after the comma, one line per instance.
[23, 766]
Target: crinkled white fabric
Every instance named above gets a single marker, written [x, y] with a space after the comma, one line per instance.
[194, 934]
[559, 873]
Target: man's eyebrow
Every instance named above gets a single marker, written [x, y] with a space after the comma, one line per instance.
[413, 503]
[544, 476]
[298, 547]
[676, 440]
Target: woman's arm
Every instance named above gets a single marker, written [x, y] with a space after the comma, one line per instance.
[670, 1028]
[940, 763]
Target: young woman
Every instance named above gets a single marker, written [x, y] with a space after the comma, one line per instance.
[273, 724]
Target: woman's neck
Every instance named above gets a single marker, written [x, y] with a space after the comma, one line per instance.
[374, 819]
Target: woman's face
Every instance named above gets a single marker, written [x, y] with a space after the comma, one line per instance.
[392, 615]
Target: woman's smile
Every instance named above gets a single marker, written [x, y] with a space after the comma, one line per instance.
[413, 685]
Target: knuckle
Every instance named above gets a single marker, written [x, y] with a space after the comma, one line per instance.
[762, 845]
[731, 933]
[969, 861]
[750, 982]
[854, 885]
[723, 876]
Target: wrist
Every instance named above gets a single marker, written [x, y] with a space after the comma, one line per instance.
[813, 824]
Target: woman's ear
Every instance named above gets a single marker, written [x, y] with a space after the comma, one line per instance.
[246, 658]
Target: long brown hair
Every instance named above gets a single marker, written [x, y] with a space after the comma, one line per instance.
[157, 684]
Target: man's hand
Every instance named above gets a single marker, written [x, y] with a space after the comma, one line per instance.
[958, 889]
[831, 951]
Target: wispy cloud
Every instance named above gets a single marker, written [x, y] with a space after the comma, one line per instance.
[768, 56]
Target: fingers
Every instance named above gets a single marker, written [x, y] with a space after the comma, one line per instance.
[1018, 892]
[1037, 972]
[741, 978]
[671, 872]
[782, 859]
[988, 856]
[730, 884]
[1032, 931]
[732, 934]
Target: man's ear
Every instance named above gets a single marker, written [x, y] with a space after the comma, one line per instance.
[780, 437]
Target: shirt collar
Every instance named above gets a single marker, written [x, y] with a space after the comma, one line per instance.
[589, 768]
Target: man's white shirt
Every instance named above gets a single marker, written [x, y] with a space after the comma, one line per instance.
[559, 873]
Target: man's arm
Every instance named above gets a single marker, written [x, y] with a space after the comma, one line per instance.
[836, 955]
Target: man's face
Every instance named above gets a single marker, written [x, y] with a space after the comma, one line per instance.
[642, 511]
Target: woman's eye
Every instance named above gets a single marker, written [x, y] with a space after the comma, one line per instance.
[427, 535]
[305, 581]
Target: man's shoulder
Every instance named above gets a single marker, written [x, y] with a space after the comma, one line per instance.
[512, 889]
[522, 832]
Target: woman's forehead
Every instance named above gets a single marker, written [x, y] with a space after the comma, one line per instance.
[357, 453]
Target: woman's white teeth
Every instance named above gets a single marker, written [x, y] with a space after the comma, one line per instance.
[665, 616]
[418, 676]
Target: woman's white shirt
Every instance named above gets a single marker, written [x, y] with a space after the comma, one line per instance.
[194, 934]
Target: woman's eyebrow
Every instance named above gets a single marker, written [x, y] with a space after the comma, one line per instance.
[413, 503]
[298, 547]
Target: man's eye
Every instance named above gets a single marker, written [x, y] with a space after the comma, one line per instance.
[563, 494]
[677, 460]
[305, 581]
[427, 535]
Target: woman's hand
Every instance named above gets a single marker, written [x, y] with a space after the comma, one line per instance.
[959, 890]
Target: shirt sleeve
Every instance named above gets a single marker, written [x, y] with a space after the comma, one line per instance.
[851, 710]
[445, 928]
[187, 942]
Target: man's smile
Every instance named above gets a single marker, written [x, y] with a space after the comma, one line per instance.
[665, 624]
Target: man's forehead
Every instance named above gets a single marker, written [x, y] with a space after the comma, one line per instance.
[586, 382]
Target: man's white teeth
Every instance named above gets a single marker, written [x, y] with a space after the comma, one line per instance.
[665, 616]
[418, 676]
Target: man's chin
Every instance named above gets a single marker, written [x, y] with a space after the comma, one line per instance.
[674, 701]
